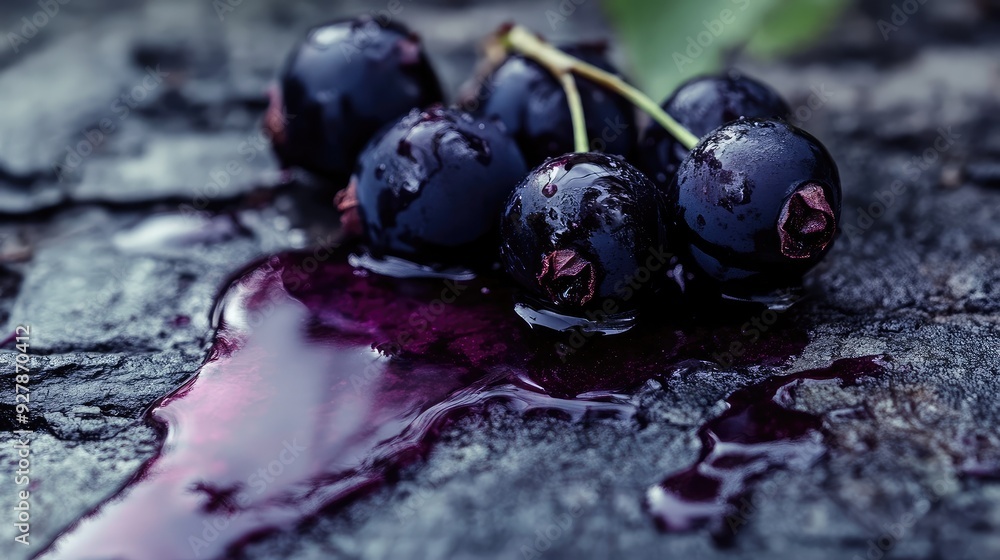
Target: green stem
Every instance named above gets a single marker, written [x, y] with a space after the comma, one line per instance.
[580, 141]
[560, 65]
[640, 100]
[521, 40]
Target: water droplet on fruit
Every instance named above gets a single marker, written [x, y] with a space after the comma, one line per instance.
[395, 267]
[330, 35]
[778, 300]
[536, 314]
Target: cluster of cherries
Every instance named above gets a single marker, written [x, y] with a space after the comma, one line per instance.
[742, 202]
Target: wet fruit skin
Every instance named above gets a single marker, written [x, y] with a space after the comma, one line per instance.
[578, 228]
[701, 105]
[345, 81]
[532, 105]
[431, 187]
[755, 205]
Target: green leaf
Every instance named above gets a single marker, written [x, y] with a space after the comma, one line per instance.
[671, 41]
[794, 24]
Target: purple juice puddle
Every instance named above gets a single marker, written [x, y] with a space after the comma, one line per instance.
[324, 380]
[758, 433]
[318, 386]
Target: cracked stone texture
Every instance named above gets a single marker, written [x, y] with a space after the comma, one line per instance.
[117, 324]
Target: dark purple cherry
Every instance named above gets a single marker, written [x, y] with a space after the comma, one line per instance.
[532, 105]
[756, 204]
[701, 105]
[339, 86]
[431, 187]
[580, 229]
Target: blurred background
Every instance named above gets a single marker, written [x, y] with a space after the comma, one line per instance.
[112, 112]
[63, 73]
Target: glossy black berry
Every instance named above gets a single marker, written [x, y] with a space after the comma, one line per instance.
[701, 105]
[431, 187]
[532, 105]
[339, 86]
[580, 229]
[756, 203]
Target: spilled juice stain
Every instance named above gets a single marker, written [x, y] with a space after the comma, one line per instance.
[756, 434]
[317, 386]
[323, 380]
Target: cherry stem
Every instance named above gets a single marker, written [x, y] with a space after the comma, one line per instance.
[560, 65]
[521, 40]
[580, 141]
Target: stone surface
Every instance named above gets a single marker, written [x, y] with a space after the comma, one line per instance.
[120, 316]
